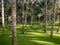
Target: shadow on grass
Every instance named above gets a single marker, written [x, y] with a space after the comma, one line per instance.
[33, 36]
[34, 39]
[37, 37]
[5, 40]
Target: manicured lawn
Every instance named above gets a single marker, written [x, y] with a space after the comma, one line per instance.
[34, 36]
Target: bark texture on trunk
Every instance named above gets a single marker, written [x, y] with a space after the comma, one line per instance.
[57, 4]
[59, 25]
[23, 16]
[31, 21]
[53, 18]
[45, 25]
[2, 16]
[13, 18]
[23, 26]
[32, 13]
[26, 12]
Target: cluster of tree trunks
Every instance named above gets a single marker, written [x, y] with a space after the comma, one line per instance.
[53, 18]
[24, 18]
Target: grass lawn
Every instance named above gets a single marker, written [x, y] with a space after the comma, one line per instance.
[34, 36]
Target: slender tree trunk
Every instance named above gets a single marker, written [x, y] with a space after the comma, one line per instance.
[13, 16]
[38, 19]
[53, 19]
[23, 17]
[31, 21]
[58, 18]
[59, 25]
[25, 1]
[22, 25]
[2, 16]
[45, 25]
[49, 16]
[32, 13]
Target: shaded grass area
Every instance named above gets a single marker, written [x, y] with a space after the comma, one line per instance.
[31, 36]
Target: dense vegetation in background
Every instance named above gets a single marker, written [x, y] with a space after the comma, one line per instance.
[38, 8]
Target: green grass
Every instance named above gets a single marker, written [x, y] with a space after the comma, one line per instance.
[34, 36]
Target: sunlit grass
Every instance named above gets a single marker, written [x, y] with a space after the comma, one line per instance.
[32, 36]
[43, 42]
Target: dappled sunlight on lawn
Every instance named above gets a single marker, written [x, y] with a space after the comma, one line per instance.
[57, 35]
[51, 26]
[24, 25]
[36, 34]
[32, 36]
[43, 42]
[56, 22]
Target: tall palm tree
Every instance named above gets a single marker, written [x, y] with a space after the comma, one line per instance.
[2, 16]
[32, 12]
[59, 25]
[13, 18]
[58, 17]
[58, 30]
[23, 14]
[53, 18]
[27, 1]
[45, 17]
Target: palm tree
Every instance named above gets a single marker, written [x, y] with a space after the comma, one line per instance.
[27, 1]
[45, 17]
[13, 18]
[59, 25]
[32, 12]
[24, 13]
[58, 16]
[53, 18]
[2, 16]
[23, 16]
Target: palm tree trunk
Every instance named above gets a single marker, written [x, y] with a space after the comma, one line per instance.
[58, 18]
[22, 25]
[2, 16]
[31, 21]
[45, 25]
[23, 17]
[32, 13]
[53, 19]
[59, 25]
[13, 18]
